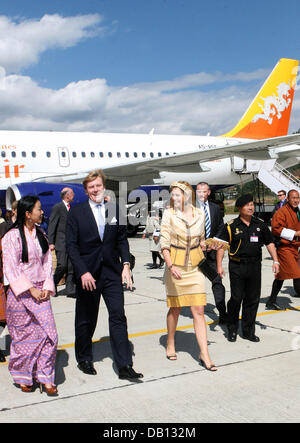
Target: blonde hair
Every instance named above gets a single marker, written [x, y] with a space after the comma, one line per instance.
[92, 176]
[186, 189]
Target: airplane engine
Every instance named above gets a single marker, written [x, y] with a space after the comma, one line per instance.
[49, 195]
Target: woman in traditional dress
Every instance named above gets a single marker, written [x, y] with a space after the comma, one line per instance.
[182, 237]
[2, 304]
[27, 265]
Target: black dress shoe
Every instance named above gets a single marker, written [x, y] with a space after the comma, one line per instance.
[274, 306]
[232, 336]
[154, 266]
[128, 373]
[2, 357]
[87, 367]
[252, 337]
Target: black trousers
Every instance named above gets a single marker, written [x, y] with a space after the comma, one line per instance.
[64, 268]
[245, 285]
[86, 315]
[277, 285]
[217, 285]
[156, 255]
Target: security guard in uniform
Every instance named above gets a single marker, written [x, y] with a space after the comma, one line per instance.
[246, 236]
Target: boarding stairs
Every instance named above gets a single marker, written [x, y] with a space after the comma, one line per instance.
[275, 177]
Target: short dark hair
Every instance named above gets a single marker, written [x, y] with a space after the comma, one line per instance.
[202, 184]
[282, 190]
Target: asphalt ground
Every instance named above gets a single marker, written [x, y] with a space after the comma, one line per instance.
[255, 382]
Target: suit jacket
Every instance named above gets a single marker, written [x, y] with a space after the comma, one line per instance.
[88, 253]
[216, 224]
[216, 219]
[57, 226]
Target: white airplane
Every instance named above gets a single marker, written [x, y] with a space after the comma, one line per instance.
[140, 159]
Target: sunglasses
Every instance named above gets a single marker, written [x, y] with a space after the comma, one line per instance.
[279, 195]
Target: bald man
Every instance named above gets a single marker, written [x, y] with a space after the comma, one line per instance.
[56, 234]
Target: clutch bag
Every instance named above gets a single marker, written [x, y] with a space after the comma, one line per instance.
[207, 270]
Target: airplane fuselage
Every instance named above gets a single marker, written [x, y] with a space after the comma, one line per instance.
[27, 156]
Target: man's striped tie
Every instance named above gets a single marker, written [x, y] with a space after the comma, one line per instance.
[207, 221]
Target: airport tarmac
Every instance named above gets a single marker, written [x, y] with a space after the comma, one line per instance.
[255, 382]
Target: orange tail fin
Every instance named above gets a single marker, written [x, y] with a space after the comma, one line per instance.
[269, 113]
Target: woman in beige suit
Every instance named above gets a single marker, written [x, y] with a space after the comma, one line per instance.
[182, 240]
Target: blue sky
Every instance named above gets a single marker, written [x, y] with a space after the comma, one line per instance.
[108, 65]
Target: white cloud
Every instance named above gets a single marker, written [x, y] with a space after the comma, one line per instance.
[23, 41]
[192, 104]
[172, 107]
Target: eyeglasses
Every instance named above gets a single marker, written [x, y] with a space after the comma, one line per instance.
[279, 195]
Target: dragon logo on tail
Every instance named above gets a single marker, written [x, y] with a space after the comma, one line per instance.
[275, 105]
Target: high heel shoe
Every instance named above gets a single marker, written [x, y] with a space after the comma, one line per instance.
[25, 388]
[51, 392]
[208, 368]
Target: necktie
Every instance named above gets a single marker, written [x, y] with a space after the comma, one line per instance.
[101, 224]
[207, 222]
[68, 206]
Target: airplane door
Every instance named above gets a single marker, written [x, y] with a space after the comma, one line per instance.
[63, 156]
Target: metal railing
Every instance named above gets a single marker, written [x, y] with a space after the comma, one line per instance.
[284, 172]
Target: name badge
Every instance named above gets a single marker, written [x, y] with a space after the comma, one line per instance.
[254, 239]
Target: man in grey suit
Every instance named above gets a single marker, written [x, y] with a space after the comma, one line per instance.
[213, 227]
[57, 242]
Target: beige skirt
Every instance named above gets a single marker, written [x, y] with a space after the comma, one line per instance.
[189, 290]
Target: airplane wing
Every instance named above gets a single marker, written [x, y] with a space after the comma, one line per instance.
[189, 161]
[263, 149]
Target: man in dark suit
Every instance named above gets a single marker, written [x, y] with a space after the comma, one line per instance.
[282, 201]
[57, 240]
[98, 247]
[213, 227]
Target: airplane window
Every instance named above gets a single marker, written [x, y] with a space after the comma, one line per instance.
[151, 154]
[33, 154]
[74, 154]
[101, 154]
[143, 154]
[92, 154]
[110, 154]
[159, 154]
[48, 153]
[127, 154]
[167, 153]
[3, 153]
[23, 154]
[13, 154]
[119, 154]
[63, 154]
[135, 154]
[83, 154]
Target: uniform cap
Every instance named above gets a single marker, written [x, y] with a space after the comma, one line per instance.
[243, 200]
